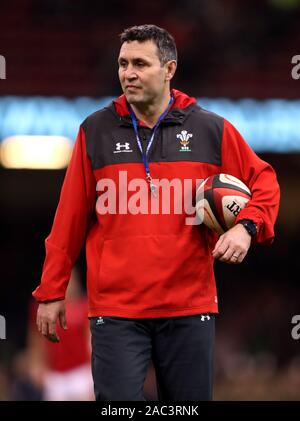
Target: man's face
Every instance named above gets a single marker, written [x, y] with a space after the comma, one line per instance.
[140, 72]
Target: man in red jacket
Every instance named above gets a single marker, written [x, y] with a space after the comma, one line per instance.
[150, 277]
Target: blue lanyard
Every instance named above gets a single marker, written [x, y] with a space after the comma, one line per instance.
[154, 129]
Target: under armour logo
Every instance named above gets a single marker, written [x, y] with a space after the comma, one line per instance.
[204, 317]
[100, 321]
[122, 147]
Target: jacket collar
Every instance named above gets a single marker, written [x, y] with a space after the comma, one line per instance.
[181, 108]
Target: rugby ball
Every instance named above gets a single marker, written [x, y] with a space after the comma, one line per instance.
[219, 200]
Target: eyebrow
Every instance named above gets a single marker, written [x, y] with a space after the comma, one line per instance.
[136, 59]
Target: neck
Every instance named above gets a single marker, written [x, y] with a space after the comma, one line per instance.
[150, 113]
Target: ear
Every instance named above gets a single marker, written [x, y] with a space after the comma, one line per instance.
[170, 69]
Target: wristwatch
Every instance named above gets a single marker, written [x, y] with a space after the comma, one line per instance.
[249, 226]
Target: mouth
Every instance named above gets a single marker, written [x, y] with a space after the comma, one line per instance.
[132, 87]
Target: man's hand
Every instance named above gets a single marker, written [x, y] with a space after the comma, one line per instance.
[47, 316]
[233, 245]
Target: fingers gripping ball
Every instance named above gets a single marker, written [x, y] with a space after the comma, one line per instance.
[219, 199]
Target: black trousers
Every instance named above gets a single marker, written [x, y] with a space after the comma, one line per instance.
[181, 349]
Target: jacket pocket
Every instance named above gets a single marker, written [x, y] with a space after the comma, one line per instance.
[149, 270]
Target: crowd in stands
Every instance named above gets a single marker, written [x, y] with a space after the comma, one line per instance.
[227, 48]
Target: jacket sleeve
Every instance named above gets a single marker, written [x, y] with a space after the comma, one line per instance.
[239, 160]
[71, 222]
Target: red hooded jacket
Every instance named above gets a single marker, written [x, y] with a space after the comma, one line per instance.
[148, 264]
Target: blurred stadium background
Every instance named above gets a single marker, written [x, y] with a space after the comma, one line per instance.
[235, 57]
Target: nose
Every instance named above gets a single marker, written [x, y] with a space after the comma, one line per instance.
[130, 73]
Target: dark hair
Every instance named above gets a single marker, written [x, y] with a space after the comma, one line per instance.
[164, 41]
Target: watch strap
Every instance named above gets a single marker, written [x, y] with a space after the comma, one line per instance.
[249, 225]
